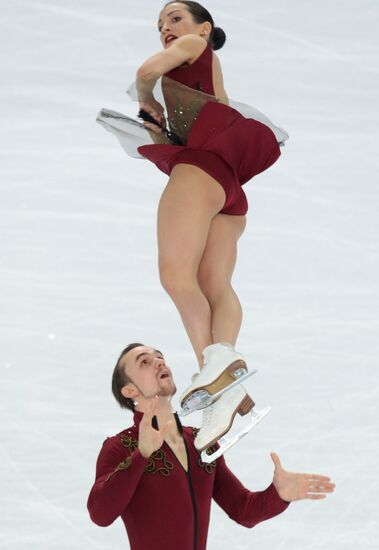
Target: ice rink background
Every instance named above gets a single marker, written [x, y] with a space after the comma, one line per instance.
[78, 263]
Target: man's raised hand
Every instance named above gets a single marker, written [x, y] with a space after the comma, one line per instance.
[293, 486]
[150, 439]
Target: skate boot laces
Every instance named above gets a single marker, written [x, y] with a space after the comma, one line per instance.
[207, 416]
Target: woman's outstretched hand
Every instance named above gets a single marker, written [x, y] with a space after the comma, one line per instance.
[293, 486]
[150, 439]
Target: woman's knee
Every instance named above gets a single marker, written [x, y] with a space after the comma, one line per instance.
[176, 279]
[214, 286]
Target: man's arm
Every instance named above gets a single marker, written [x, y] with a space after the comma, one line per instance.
[294, 486]
[243, 506]
[248, 508]
[119, 470]
[118, 473]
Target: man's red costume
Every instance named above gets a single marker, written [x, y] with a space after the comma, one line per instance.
[164, 507]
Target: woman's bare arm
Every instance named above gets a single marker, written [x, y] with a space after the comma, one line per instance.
[183, 50]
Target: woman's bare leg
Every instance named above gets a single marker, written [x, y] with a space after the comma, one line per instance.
[187, 207]
[215, 275]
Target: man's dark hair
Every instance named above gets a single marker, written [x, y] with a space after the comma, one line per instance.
[201, 15]
[120, 379]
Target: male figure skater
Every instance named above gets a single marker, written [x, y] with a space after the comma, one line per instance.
[152, 475]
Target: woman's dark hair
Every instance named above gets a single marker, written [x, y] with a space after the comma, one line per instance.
[120, 379]
[201, 15]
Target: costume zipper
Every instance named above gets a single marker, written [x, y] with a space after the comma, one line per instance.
[180, 427]
[193, 499]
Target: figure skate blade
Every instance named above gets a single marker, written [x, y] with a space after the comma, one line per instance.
[227, 441]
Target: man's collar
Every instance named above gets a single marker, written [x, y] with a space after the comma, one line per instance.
[138, 417]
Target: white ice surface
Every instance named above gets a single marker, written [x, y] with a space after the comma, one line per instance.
[78, 263]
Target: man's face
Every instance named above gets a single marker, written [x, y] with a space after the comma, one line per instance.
[149, 374]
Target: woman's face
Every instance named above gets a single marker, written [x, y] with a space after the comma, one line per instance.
[175, 20]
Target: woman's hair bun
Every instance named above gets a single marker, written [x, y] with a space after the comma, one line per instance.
[218, 38]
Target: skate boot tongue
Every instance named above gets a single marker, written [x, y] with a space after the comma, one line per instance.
[215, 349]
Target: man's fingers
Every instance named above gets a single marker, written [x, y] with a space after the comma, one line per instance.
[154, 404]
[314, 478]
[315, 497]
[276, 460]
[325, 488]
[150, 410]
[146, 419]
[166, 428]
[148, 413]
[316, 492]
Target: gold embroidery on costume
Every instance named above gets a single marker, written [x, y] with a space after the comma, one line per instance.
[131, 443]
[164, 469]
[212, 465]
[207, 467]
[195, 431]
[122, 466]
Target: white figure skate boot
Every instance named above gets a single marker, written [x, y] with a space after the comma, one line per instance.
[218, 420]
[223, 369]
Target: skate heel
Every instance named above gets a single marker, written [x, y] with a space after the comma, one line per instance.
[247, 404]
[236, 370]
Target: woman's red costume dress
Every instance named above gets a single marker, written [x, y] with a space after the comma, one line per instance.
[222, 142]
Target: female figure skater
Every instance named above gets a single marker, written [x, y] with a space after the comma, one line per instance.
[202, 210]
